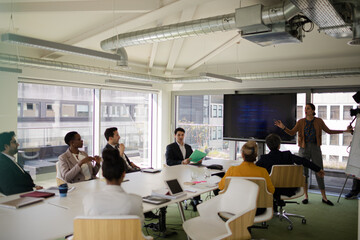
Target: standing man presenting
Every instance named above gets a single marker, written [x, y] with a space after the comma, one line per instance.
[13, 178]
[112, 137]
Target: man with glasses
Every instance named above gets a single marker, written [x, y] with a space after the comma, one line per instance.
[13, 178]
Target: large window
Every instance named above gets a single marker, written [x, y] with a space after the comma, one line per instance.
[334, 112]
[322, 112]
[46, 113]
[339, 105]
[202, 132]
[131, 113]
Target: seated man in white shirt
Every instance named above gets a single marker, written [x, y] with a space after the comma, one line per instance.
[112, 199]
[112, 137]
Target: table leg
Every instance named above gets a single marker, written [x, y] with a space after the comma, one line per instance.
[182, 214]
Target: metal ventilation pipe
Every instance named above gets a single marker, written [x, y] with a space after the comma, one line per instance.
[270, 15]
[278, 13]
[169, 32]
[123, 62]
[77, 68]
[69, 67]
[356, 27]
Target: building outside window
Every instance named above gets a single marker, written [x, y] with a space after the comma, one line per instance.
[347, 138]
[214, 111]
[61, 109]
[220, 111]
[324, 138]
[322, 112]
[346, 112]
[202, 132]
[334, 112]
[334, 139]
[338, 104]
[130, 113]
[41, 137]
[299, 111]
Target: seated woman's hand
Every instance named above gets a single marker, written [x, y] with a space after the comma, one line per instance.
[86, 160]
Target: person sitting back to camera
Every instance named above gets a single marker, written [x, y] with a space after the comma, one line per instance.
[112, 199]
[249, 169]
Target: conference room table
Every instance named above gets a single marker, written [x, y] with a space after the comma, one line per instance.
[53, 217]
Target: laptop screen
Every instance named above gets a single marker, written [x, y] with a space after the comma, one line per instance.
[174, 186]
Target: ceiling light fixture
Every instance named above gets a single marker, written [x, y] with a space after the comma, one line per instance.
[217, 76]
[13, 70]
[119, 82]
[58, 47]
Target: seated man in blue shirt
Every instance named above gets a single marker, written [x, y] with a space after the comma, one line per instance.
[277, 157]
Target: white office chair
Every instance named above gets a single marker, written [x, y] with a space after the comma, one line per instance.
[59, 179]
[288, 176]
[264, 200]
[126, 227]
[239, 199]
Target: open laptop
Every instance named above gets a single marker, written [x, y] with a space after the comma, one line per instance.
[175, 188]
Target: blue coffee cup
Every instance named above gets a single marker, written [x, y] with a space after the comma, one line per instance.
[63, 189]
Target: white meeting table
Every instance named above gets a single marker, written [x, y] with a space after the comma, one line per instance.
[53, 218]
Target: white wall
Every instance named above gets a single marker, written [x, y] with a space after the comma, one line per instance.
[8, 101]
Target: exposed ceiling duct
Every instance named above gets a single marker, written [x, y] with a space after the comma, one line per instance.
[69, 67]
[77, 68]
[261, 19]
[356, 27]
[325, 16]
[170, 32]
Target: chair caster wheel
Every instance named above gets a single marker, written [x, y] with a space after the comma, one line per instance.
[290, 228]
[303, 221]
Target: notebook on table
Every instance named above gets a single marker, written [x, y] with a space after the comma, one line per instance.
[20, 202]
[38, 194]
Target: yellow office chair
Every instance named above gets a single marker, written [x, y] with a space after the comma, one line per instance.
[288, 176]
[126, 227]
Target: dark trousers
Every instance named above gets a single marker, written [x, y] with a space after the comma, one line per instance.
[355, 189]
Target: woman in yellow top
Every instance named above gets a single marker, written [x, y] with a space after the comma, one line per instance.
[249, 169]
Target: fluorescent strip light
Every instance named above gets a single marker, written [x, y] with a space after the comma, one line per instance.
[57, 47]
[14, 70]
[222, 77]
[112, 81]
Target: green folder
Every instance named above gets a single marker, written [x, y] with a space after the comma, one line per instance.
[196, 156]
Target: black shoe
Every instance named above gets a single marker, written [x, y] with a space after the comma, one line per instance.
[305, 201]
[150, 215]
[194, 204]
[350, 195]
[328, 202]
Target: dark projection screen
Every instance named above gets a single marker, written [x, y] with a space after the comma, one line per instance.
[252, 116]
